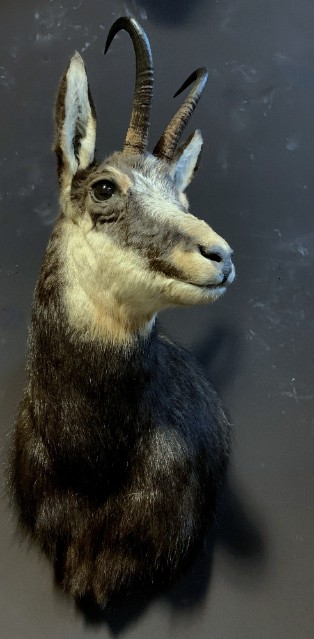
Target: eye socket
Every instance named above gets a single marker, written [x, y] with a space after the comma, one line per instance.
[103, 190]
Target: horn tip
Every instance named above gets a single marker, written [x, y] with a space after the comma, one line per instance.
[201, 75]
[108, 41]
[115, 27]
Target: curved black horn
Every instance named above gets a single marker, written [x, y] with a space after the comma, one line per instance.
[166, 146]
[136, 137]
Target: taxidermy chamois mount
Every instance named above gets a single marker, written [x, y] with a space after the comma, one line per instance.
[120, 443]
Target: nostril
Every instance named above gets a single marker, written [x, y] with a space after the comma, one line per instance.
[214, 257]
[209, 254]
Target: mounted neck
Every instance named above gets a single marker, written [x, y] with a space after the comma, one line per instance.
[84, 339]
[103, 318]
[95, 300]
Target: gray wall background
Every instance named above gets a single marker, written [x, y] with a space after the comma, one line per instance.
[255, 187]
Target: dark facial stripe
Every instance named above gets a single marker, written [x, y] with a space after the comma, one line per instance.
[98, 218]
[160, 265]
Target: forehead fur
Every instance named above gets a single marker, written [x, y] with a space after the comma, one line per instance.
[145, 163]
[143, 172]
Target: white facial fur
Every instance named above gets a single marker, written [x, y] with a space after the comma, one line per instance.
[112, 286]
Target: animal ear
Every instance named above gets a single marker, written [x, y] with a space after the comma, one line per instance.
[186, 160]
[75, 120]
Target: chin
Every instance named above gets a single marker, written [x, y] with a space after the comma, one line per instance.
[215, 293]
[185, 294]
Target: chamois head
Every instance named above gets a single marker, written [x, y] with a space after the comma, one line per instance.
[129, 246]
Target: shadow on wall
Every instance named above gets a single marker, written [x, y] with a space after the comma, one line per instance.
[239, 535]
[219, 353]
[172, 13]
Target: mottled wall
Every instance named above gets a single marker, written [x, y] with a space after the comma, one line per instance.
[255, 187]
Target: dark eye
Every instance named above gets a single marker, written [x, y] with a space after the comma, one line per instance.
[103, 190]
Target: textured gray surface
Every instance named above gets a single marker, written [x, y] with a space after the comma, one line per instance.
[255, 187]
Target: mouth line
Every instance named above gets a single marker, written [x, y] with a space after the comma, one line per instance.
[224, 284]
[210, 286]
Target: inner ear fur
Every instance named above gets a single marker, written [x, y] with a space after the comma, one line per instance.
[187, 160]
[75, 121]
